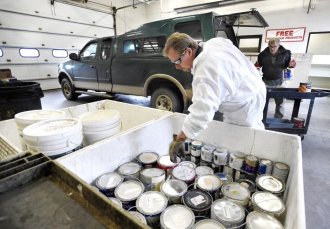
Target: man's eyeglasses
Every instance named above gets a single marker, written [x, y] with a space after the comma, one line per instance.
[179, 60]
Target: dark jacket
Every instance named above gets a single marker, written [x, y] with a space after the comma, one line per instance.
[273, 65]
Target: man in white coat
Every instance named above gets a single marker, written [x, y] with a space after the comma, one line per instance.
[223, 80]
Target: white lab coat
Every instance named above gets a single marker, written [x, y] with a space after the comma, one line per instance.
[225, 80]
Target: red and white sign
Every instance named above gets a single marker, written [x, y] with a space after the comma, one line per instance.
[287, 35]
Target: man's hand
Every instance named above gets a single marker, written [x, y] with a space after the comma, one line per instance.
[292, 63]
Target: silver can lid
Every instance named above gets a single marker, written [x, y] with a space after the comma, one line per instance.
[208, 182]
[129, 190]
[138, 216]
[203, 170]
[208, 224]
[227, 211]
[174, 188]
[268, 202]
[177, 216]
[281, 166]
[188, 163]
[235, 191]
[184, 173]
[261, 220]
[147, 157]
[116, 201]
[270, 183]
[151, 203]
[129, 168]
[109, 180]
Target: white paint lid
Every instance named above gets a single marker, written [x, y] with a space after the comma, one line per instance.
[32, 116]
[151, 203]
[53, 129]
[184, 173]
[203, 170]
[129, 190]
[208, 224]
[261, 220]
[100, 117]
[174, 188]
[209, 182]
[268, 202]
[166, 161]
[109, 180]
[177, 216]
[188, 163]
[129, 168]
[147, 157]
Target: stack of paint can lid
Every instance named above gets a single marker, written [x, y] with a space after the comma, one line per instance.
[222, 189]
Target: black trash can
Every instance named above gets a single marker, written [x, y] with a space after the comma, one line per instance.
[18, 96]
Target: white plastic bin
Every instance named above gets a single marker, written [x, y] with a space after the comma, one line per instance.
[131, 117]
[89, 163]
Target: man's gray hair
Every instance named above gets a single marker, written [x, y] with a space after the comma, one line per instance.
[274, 40]
[178, 42]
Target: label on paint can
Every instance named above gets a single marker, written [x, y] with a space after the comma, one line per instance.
[220, 156]
[207, 153]
[265, 166]
[196, 148]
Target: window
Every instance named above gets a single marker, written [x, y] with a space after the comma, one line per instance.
[193, 29]
[250, 44]
[28, 52]
[1, 53]
[105, 49]
[60, 53]
[89, 52]
[144, 45]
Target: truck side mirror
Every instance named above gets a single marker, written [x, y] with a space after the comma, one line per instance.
[73, 56]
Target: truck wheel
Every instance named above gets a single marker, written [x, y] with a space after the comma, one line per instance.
[166, 99]
[68, 90]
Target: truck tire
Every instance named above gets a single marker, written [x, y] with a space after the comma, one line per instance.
[166, 99]
[68, 90]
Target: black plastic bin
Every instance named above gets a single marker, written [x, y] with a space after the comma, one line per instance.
[19, 96]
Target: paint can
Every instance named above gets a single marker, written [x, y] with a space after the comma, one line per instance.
[148, 159]
[261, 220]
[220, 156]
[228, 170]
[151, 204]
[265, 166]
[209, 224]
[198, 201]
[236, 159]
[203, 170]
[152, 178]
[250, 164]
[236, 193]
[116, 202]
[224, 177]
[174, 190]
[281, 171]
[270, 184]
[138, 216]
[228, 213]
[128, 191]
[209, 183]
[185, 174]
[130, 170]
[196, 151]
[187, 149]
[177, 216]
[165, 163]
[207, 153]
[298, 122]
[249, 184]
[107, 183]
[188, 163]
[268, 203]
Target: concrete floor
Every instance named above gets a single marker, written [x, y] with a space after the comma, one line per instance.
[315, 149]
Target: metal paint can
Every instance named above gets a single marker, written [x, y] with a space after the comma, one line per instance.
[249, 184]
[236, 159]
[152, 178]
[281, 171]
[128, 191]
[224, 177]
[236, 193]
[165, 163]
[148, 159]
[268, 203]
[196, 148]
[116, 202]
[230, 214]
[187, 149]
[208, 224]
[220, 156]
[270, 184]
[185, 174]
[207, 153]
[107, 183]
[210, 184]
[151, 204]
[130, 170]
[298, 122]
[205, 163]
[138, 216]
[228, 170]
[203, 170]
[188, 163]
[261, 220]
[250, 164]
[174, 190]
[198, 201]
[265, 166]
[177, 216]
